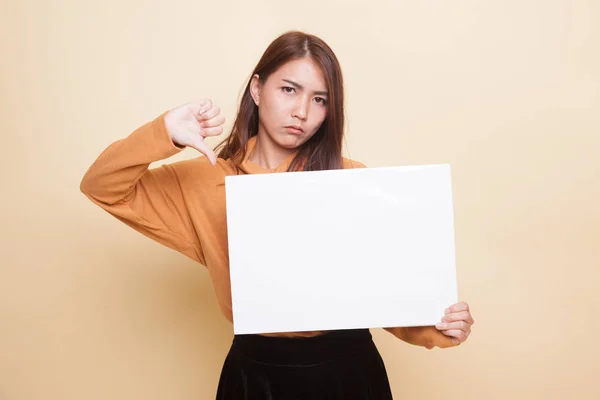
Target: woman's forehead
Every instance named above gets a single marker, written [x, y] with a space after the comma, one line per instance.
[305, 72]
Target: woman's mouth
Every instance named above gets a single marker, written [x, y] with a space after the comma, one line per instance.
[296, 130]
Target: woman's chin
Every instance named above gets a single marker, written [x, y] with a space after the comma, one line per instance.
[290, 142]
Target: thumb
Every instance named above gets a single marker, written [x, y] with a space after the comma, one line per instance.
[201, 146]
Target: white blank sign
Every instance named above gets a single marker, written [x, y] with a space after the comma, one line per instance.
[342, 249]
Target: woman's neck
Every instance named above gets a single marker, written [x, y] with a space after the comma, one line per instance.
[267, 153]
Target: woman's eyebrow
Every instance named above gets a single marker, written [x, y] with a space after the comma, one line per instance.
[299, 86]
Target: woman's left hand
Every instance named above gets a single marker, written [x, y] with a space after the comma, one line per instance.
[457, 322]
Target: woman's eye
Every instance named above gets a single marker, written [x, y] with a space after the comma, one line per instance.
[288, 89]
[321, 100]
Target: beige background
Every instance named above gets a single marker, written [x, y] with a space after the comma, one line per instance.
[505, 91]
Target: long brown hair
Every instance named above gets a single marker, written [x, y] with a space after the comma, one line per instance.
[323, 150]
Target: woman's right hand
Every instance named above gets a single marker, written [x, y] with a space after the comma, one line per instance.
[190, 123]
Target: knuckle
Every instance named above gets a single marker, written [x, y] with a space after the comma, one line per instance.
[213, 112]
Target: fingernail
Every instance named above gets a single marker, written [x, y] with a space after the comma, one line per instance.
[447, 310]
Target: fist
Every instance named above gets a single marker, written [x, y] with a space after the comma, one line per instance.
[189, 124]
[457, 322]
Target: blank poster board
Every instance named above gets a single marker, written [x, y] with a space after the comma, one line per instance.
[341, 249]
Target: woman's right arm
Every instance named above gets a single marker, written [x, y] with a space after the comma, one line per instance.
[152, 200]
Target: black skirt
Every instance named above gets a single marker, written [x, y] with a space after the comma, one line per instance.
[337, 365]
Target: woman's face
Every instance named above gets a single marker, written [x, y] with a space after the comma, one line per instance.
[292, 103]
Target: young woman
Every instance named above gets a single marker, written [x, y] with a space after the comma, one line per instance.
[291, 118]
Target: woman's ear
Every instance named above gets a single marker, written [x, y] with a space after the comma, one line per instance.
[255, 87]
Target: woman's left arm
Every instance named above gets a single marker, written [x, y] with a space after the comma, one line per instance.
[453, 329]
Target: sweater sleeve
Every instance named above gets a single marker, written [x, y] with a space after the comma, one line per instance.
[426, 336]
[150, 201]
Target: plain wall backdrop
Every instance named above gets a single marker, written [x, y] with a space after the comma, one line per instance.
[507, 92]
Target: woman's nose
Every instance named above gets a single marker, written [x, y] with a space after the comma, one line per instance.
[301, 109]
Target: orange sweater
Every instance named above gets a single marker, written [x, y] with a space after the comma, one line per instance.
[182, 206]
